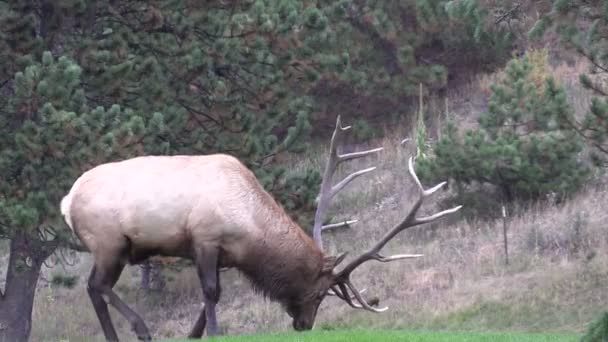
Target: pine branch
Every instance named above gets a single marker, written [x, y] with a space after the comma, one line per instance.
[596, 88]
[591, 59]
[508, 14]
[387, 47]
[65, 242]
[3, 83]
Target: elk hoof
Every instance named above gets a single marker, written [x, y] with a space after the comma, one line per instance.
[144, 337]
[142, 332]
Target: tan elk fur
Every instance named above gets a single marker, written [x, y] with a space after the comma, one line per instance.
[166, 205]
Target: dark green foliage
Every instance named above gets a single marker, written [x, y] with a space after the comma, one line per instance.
[598, 330]
[150, 78]
[472, 38]
[394, 46]
[520, 149]
[296, 192]
[582, 26]
[51, 134]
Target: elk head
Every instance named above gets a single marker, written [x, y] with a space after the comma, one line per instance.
[302, 307]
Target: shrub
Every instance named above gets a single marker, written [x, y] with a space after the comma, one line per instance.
[520, 149]
[598, 330]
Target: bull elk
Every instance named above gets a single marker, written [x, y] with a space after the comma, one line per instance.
[212, 209]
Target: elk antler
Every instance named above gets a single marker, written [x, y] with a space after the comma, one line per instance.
[343, 281]
[328, 191]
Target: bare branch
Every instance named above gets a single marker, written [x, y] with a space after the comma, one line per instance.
[65, 243]
[64, 258]
[50, 263]
[511, 14]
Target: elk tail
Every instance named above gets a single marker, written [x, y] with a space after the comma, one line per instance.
[66, 205]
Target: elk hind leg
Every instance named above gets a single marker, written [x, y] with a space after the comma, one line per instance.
[102, 280]
[101, 307]
[199, 326]
[207, 259]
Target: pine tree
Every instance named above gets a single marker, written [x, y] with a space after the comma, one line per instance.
[582, 26]
[521, 147]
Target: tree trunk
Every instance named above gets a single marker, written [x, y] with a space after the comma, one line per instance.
[24, 264]
[145, 275]
[151, 276]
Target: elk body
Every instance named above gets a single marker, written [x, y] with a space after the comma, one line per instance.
[210, 209]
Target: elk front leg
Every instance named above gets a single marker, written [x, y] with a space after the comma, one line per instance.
[208, 271]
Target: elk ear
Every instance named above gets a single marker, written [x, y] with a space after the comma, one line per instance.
[330, 262]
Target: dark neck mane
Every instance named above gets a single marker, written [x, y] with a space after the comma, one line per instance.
[285, 263]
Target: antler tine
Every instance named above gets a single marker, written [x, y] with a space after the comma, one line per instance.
[354, 155]
[328, 191]
[409, 221]
[360, 299]
[345, 296]
[423, 195]
[338, 224]
[335, 291]
[336, 188]
[343, 277]
[381, 258]
[340, 291]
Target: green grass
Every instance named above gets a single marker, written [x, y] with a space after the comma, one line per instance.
[394, 336]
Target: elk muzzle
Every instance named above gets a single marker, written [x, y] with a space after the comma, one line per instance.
[303, 324]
